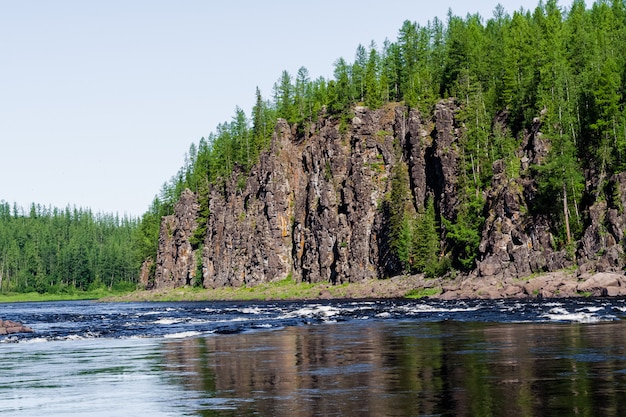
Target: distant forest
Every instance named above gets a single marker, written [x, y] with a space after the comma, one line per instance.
[57, 251]
[564, 65]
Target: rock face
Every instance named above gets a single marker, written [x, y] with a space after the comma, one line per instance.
[176, 262]
[515, 242]
[602, 245]
[442, 158]
[310, 209]
[249, 230]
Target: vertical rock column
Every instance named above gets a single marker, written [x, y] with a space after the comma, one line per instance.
[176, 263]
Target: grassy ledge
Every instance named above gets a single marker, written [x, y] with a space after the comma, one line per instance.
[287, 289]
[281, 290]
[423, 292]
[76, 295]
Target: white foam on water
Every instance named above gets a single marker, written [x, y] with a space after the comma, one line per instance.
[313, 311]
[168, 321]
[73, 337]
[590, 309]
[35, 340]
[561, 314]
[150, 313]
[250, 310]
[553, 304]
[424, 308]
[198, 321]
[574, 317]
[558, 311]
[181, 335]
[234, 320]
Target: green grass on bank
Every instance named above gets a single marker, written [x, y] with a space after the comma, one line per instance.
[286, 289]
[423, 292]
[14, 297]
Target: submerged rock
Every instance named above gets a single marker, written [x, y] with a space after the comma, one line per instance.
[10, 327]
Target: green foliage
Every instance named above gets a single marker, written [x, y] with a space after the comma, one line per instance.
[400, 215]
[414, 235]
[426, 241]
[146, 235]
[422, 293]
[328, 172]
[59, 251]
[56, 293]
[560, 180]
[199, 277]
[464, 232]
[438, 267]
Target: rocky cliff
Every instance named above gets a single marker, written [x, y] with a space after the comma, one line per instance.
[312, 207]
[176, 260]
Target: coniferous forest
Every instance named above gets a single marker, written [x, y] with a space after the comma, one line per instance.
[563, 63]
[56, 251]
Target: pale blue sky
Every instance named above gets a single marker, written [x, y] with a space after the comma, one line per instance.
[100, 100]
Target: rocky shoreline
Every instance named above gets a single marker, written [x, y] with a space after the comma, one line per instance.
[559, 284]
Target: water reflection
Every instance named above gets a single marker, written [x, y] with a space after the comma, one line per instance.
[405, 369]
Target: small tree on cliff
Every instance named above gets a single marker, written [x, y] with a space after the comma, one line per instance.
[464, 232]
[401, 216]
[414, 236]
[426, 242]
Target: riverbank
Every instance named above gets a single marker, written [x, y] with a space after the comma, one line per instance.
[22, 297]
[397, 287]
[560, 284]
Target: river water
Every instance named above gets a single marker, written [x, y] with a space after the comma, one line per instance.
[332, 358]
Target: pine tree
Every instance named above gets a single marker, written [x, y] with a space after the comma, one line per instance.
[463, 232]
[284, 97]
[426, 241]
[340, 96]
[303, 95]
[373, 96]
[358, 75]
[401, 216]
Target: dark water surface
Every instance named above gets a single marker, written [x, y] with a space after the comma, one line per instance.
[388, 358]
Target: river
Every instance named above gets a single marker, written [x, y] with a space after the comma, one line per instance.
[330, 358]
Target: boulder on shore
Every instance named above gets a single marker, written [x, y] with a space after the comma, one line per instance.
[10, 327]
[560, 284]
